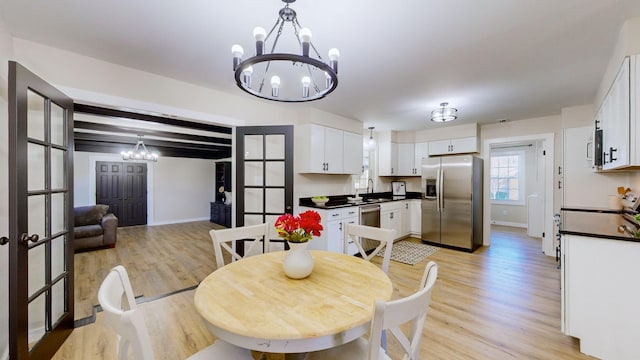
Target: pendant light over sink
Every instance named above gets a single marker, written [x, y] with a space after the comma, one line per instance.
[370, 143]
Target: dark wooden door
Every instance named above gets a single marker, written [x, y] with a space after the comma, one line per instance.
[123, 186]
[109, 186]
[40, 216]
[264, 174]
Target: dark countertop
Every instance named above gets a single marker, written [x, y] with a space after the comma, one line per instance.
[340, 201]
[598, 222]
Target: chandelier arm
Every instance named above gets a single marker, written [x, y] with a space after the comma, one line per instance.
[275, 42]
[313, 80]
[271, 31]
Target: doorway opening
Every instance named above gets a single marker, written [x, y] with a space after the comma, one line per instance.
[518, 172]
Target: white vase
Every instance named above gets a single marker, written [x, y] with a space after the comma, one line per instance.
[298, 262]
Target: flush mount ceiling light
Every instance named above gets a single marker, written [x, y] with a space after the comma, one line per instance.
[444, 113]
[294, 76]
[139, 152]
[370, 143]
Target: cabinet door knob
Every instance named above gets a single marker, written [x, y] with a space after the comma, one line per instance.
[4, 240]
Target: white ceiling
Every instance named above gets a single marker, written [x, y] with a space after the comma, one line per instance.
[491, 59]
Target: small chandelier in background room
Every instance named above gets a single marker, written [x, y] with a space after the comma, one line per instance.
[139, 152]
[370, 143]
[444, 113]
[295, 76]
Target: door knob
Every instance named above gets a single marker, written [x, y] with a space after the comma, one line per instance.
[4, 240]
[24, 238]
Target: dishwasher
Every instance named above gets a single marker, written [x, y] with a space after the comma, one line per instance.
[369, 216]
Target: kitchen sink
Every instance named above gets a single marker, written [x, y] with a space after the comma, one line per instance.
[376, 200]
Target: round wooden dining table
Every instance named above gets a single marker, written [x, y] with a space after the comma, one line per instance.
[251, 302]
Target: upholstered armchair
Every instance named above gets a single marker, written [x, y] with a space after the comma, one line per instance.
[94, 228]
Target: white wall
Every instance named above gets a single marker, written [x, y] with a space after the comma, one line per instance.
[179, 190]
[183, 189]
[6, 54]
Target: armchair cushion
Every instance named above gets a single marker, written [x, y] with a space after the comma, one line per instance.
[87, 231]
[90, 215]
[94, 228]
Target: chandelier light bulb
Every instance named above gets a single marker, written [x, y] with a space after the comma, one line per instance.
[275, 85]
[237, 52]
[334, 55]
[305, 35]
[260, 34]
[275, 81]
[246, 76]
[306, 81]
[305, 38]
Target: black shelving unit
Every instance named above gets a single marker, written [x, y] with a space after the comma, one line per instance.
[223, 179]
[220, 212]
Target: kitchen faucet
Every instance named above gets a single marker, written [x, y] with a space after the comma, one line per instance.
[370, 181]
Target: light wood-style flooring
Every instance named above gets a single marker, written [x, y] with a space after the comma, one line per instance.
[500, 302]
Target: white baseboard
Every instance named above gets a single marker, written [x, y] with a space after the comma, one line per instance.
[177, 221]
[508, 223]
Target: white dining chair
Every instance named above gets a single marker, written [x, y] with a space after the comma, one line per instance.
[224, 238]
[128, 323]
[385, 237]
[389, 316]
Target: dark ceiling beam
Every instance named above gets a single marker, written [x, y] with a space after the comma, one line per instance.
[129, 130]
[110, 148]
[129, 142]
[100, 111]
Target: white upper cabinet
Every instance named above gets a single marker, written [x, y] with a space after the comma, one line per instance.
[406, 160]
[454, 146]
[615, 118]
[421, 152]
[325, 150]
[387, 158]
[352, 153]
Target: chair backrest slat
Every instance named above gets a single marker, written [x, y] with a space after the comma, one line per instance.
[385, 238]
[223, 238]
[125, 319]
[392, 314]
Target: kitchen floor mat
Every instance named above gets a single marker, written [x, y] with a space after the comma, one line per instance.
[408, 252]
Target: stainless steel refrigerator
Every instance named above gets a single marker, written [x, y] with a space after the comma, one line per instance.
[452, 201]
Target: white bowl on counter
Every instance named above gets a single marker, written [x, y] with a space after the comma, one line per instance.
[320, 202]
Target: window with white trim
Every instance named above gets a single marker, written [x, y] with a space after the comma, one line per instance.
[507, 177]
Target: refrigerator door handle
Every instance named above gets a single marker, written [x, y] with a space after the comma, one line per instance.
[440, 188]
[438, 194]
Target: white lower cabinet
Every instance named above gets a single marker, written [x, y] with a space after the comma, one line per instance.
[391, 216]
[402, 216]
[350, 217]
[415, 217]
[405, 219]
[332, 220]
[600, 295]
